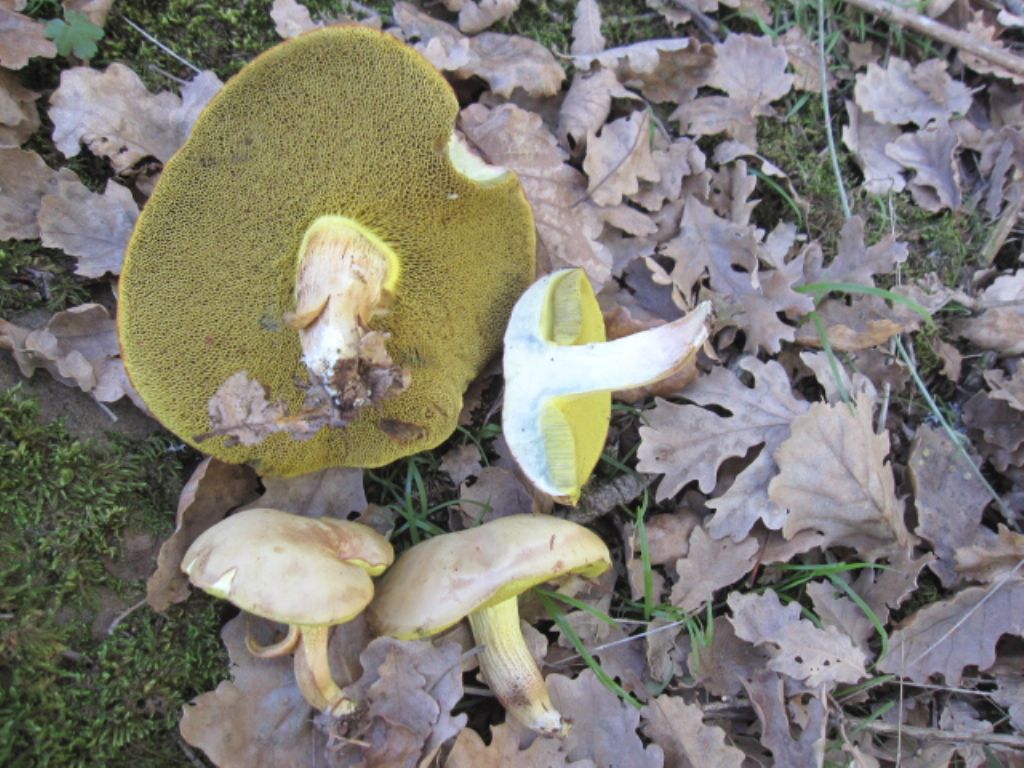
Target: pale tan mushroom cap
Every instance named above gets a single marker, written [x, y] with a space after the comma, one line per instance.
[292, 569]
[440, 581]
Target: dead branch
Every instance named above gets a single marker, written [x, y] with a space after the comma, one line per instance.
[958, 39]
[1009, 740]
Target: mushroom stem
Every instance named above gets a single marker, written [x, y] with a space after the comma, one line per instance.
[344, 278]
[313, 673]
[280, 648]
[510, 671]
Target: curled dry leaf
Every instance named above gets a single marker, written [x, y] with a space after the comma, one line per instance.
[19, 118]
[496, 492]
[901, 93]
[213, 490]
[993, 559]
[292, 19]
[751, 70]
[800, 650]
[855, 262]
[334, 492]
[78, 347]
[838, 611]
[949, 635]
[505, 749]
[587, 105]
[462, 462]
[931, 154]
[1000, 326]
[804, 59]
[408, 689]
[679, 729]
[114, 116]
[766, 692]
[94, 228]
[619, 158]
[94, 10]
[867, 139]
[568, 224]
[833, 477]
[949, 498]
[662, 70]
[862, 323]
[723, 667]
[506, 62]
[25, 179]
[21, 39]
[989, 33]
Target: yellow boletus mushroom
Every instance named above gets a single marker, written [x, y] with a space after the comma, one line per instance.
[479, 573]
[310, 574]
[560, 373]
[324, 261]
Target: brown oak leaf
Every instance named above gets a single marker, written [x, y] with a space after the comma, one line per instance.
[662, 70]
[213, 490]
[993, 559]
[477, 16]
[1000, 325]
[292, 19]
[619, 158]
[679, 729]
[94, 228]
[859, 323]
[586, 106]
[901, 93]
[833, 477]
[766, 693]
[931, 154]
[710, 565]
[686, 442]
[25, 179]
[586, 29]
[949, 635]
[949, 498]
[115, 116]
[506, 751]
[21, 39]
[799, 649]
[19, 118]
[333, 492]
[495, 493]
[835, 609]
[855, 261]
[867, 139]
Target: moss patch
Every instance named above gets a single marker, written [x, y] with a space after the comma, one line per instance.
[71, 694]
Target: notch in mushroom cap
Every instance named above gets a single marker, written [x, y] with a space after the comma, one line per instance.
[560, 373]
[331, 154]
[310, 574]
[479, 573]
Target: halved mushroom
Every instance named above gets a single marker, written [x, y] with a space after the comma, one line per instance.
[326, 236]
[560, 373]
[479, 573]
[310, 574]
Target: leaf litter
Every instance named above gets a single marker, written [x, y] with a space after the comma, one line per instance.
[796, 500]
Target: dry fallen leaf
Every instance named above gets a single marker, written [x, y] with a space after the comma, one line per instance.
[21, 39]
[992, 558]
[803, 57]
[92, 227]
[856, 262]
[619, 158]
[834, 478]
[860, 323]
[1000, 326]
[766, 693]
[679, 729]
[997, 428]
[801, 650]
[505, 751]
[567, 224]
[506, 62]
[586, 30]
[292, 19]
[723, 667]
[867, 139]
[587, 105]
[19, 118]
[334, 492]
[496, 492]
[662, 70]
[477, 16]
[835, 609]
[902, 93]
[947, 636]
[948, 497]
[752, 72]
[213, 490]
[25, 179]
[114, 116]
[931, 154]
[710, 565]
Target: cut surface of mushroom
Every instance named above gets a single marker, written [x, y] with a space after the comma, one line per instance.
[560, 373]
[310, 574]
[479, 573]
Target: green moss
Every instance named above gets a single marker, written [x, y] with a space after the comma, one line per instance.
[70, 696]
[33, 277]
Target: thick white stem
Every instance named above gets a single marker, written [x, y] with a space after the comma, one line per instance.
[510, 671]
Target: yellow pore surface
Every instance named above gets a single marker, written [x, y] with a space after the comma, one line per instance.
[575, 427]
[347, 122]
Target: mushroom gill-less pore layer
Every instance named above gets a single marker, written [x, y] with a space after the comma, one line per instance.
[345, 122]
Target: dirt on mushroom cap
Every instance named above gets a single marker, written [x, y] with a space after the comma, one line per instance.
[344, 121]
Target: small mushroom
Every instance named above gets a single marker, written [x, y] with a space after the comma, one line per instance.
[310, 574]
[560, 373]
[479, 573]
[325, 232]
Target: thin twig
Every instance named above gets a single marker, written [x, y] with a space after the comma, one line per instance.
[959, 39]
[161, 46]
[937, 734]
[124, 615]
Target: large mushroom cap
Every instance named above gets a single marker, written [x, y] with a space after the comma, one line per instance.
[291, 569]
[436, 583]
[343, 122]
